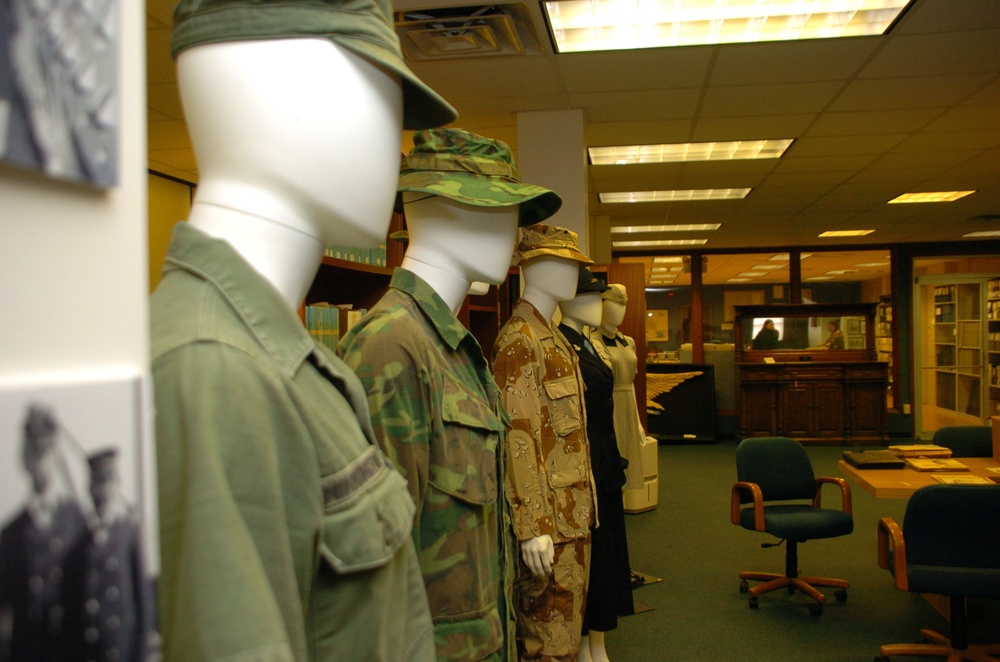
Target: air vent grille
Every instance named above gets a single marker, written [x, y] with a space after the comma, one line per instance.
[466, 32]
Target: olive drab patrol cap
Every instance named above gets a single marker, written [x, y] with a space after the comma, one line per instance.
[549, 240]
[474, 170]
[363, 27]
[616, 292]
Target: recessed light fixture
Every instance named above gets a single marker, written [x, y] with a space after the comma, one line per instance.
[841, 272]
[769, 266]
[753, 274]
[784, 257]
[675, 259]
[675, 196]
[931, 196]
[874, 264]
[679, 152]
[845, 233]
[598, 25]
[819, 278]
[983, 233]
[739, 280]
[690, 227]
[659, 242]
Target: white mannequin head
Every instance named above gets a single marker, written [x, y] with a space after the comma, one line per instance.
[613, 314]
[297, 143]
[585, 309]
[452, 244]
[548, 281]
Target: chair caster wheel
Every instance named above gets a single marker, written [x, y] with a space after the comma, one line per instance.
[816, 609]
[754, 603]
[841, 595]
[744, 586]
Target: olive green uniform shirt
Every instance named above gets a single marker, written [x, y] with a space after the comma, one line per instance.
[436, 411]
[284, 531]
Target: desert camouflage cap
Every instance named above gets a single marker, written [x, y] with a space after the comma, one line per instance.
[550, 240]
[616, 292]
[364, 27]
[474, 170]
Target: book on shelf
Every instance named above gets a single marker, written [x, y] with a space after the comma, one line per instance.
[963, 480]
[920, 450]
[935, 464]
[876, 459]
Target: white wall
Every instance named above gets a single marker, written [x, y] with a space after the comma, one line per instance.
[74, 292]
[73, 276]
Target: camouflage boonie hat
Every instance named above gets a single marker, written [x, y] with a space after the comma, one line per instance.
[363, 27]
[615, 292]
[474, 170]
[548, 240]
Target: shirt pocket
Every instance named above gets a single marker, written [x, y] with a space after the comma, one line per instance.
[564, 405]
[463, 454]
[367, 514]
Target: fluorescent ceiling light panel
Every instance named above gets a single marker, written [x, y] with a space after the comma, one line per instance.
[983, 233]
[690, 227]
[678, 152]
[873, 264]
[601, 25]
[753, 274]
[845, 233]
[784, 257]
[675, 196]
[931, 196]
[674, 259]
[738, 280]
[769, 266]
[820, 278]
[659, 242]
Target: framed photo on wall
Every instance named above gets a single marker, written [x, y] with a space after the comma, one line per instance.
[59, 93]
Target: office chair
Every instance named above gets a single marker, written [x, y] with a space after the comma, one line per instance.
[965, 440]
[774, 476]
[948, 545]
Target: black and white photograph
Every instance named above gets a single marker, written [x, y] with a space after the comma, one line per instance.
[59, 89]
[76, 578]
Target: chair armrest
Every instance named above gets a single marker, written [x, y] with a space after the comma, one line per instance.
[758, 503]
[845, 493]
[892, 546]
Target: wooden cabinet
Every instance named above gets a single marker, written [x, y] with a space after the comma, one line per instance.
[821, 403]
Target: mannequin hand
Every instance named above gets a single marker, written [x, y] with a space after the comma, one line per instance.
[538, 554]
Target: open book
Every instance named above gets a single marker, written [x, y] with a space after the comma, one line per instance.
[920, 450]
[935, 464]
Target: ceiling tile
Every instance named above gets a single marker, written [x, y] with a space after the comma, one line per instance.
[744, 100]
[901, 93]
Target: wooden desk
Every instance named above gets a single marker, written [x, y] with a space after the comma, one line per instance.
[901, 483]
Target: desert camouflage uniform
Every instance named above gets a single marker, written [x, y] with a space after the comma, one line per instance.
[437, 413]
[548, 479]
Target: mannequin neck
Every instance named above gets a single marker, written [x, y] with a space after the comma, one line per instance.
[450, 287]
[285, 256]
[572, 323]
[608, 330]
[545, 305]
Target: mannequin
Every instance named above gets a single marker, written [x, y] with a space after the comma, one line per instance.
[547, 474]
[609, 593]
[436, 408]
[272, 487]
[618, 352]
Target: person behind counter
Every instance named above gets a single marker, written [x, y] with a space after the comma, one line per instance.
[767, 337]
[836, 338]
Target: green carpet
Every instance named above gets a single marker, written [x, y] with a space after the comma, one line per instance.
[698, 613]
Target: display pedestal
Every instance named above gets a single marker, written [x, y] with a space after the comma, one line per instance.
[641, 499]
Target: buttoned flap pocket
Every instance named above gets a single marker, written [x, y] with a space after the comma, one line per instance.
[463, 454]
[367, 514]
[564, 405]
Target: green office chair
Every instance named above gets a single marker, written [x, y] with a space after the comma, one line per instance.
[965, 440]
[948, 545]
[778, 493]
